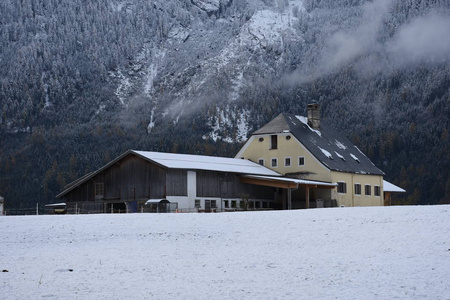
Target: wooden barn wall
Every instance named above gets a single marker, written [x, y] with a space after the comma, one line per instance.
[131, 178]
[228, 185]
[176, 182]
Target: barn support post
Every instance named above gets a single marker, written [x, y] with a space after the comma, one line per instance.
[290, 196]
[307, 197]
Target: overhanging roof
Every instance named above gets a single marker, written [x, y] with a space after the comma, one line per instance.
[285, 182]
[390, 187]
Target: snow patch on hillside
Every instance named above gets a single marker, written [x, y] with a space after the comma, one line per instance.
[223, 123]
[123, 87]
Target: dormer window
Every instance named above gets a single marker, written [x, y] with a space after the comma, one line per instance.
[274, 141]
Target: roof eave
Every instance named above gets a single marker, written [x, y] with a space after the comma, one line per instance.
[92, 174]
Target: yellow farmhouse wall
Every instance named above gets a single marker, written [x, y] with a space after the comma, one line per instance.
[350, 198]
[255, 150]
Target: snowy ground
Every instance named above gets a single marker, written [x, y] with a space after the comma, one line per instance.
[334, 253]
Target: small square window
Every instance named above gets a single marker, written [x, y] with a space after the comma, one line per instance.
[377, 190]
[287, 162]
[301, 161]
[233, 203]
[357, 189]
[342, 187]
[197, 203]
[368, 189]
[274, 162]
[261, 161]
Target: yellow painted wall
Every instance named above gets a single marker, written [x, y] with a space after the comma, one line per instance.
[255, 150]
[352, 199]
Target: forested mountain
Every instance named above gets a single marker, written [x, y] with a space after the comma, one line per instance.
[83, 81]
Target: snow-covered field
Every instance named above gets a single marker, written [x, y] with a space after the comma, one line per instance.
[334, 253]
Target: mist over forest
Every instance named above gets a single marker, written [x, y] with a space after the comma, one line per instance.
[82, 82]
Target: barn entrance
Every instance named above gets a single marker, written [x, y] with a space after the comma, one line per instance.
[116, 208]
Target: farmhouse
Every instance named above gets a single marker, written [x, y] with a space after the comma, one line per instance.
[292, 162]
[302, 147]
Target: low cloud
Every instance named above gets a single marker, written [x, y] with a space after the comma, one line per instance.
[424, 40]
[345, 47]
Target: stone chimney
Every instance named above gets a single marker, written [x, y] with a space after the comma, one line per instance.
[314, 116]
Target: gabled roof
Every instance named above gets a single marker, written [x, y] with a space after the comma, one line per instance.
[183, 162]
[330, 147]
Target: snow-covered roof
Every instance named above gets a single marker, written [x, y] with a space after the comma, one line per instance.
[293, 180]
[205, 163]
[56, 204]
[331, 147]
[156, 201]
[389, 187]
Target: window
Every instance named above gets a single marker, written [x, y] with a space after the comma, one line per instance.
[368, 187]
[213, 204]
[242, 204]
[233, 203]
[301, 160]
[357, 189]
[225, 203]
[274, 162]
[377, 190]
[288, 137]
[261, 139]
[197, 203]
[287, 162]
[342, 187]
[257, 205]
[99, 190]
[261, 162]
[274, 142]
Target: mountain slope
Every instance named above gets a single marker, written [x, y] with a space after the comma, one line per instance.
[82, 82]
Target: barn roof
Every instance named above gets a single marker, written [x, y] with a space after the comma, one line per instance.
[205, 163]
[332, 148]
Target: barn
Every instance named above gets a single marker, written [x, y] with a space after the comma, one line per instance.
[189, 182]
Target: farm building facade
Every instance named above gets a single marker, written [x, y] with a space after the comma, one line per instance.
[292, 162]
[194, 182]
